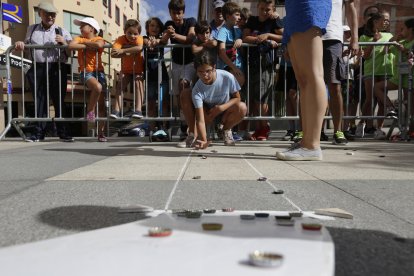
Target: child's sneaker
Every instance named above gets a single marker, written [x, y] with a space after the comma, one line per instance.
[360, 130]
[237, 137]
[115, 114]
[102, 138]
[137, 115]
[298, 153]
[298, 136]
[228, 138]
[339, 138]
[261, 134]
[188, 142]
[324, 137]
[288, 136]
[90, 117]
[379, 135]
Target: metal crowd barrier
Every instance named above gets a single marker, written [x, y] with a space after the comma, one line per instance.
[277, 110]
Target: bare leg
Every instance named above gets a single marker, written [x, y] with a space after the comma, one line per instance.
[305, 50]
[336, 105]
[186, 104]
[139, 92]
[96, 89]
[234, 115]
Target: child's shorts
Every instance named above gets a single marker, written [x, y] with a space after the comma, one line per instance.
[182, 72]
[100, 76]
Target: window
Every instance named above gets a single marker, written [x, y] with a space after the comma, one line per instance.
[105, 3]
[125, 19]
[36, 16]
[68, 24]
[131, 4]
[104, 27]
[117, 16]
[110, 8]
[138, 11]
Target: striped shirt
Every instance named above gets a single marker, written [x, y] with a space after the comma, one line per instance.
[36, 34]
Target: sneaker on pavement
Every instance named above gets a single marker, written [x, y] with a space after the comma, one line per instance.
[261, 134]
[370, 131]
[137, 115]
[66, 138]
[339, 138]
[349, 136]
[228, 138]
[360, 130]
[288, 136]
[379, 135]
[102, 138]
[33, 138]
[90, 117]
[299, 153]
[115, 114]
[324, 137]
[188, 142]
[298, 136]
[237, 137]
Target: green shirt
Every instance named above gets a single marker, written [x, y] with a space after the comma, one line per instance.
[382, 64]
[404, 58]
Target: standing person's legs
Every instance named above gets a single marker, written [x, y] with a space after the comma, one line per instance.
[305, 50]
[122, 83]
[139, 95]
[38, 86]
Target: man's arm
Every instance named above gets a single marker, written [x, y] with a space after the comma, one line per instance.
[351, 17]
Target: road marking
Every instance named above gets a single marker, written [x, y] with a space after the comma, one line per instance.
[271, 184]
[180, 177]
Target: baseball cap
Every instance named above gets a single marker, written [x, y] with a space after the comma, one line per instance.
[47, 7]
[88, 20]
[346, 28]
[218, 4]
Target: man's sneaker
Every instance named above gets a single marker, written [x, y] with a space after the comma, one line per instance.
[188, 142]
[137, 115]
[349, 136]
[339, 138]
[391, 113]
[360, 130]
[33, 138]
[115, 114]
[379, 135]
[90, 117]
[298, 153]
[102, 138]
[228, 138]
[298, 136]
[288, 136]
[66, 138]
[324, 137]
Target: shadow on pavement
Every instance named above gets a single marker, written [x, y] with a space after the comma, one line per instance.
[367, 252]
[86, 217]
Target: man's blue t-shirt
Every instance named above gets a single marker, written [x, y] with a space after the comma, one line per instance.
[228, 36]
[216, 93]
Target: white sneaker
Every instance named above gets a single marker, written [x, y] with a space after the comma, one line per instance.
[228, 138]
[379, 135]
[188, 142]
[360, 130]
[298, 153]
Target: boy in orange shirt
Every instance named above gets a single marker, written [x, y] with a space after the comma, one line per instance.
[90, 45]
[129, 48]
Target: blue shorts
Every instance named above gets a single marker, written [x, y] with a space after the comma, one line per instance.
[100, 76]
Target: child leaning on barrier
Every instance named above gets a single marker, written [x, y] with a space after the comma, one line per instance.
[266, 32]
[230, 40]
[129, 48]
[215, 95]
[154, 55]
[204, 40]
[404, 44]
[90, 47]
[180, 30]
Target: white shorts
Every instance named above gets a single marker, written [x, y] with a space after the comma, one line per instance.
[182, 72]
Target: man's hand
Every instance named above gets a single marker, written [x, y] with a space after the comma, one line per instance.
[60, 40]
[19, 46]
[238, 43]
[170, 31]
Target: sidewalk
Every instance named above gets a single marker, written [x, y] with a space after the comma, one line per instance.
[51, 189]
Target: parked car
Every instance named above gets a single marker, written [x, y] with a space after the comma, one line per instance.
[140, 130]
